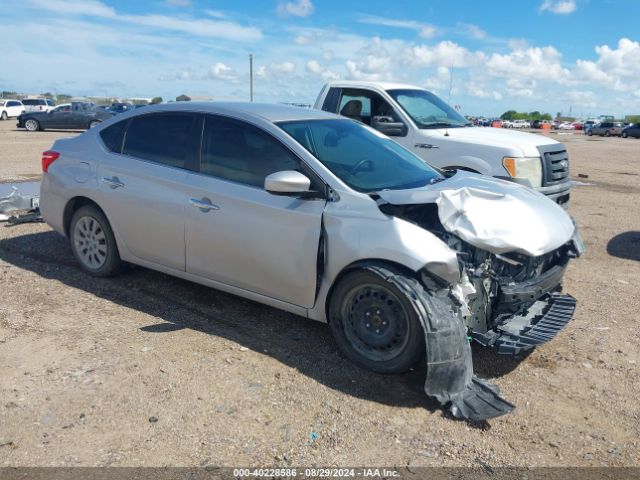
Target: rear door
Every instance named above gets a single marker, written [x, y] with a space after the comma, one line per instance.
[143, 188]
[245, 236]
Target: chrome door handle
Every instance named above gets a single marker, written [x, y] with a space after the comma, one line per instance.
[113, 182]
[204, 204]
[425, 145]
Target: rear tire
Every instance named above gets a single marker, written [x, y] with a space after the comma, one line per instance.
[93, 243]
[94, 123]
[375, 325]
[624, 135]
[32, 125]
[607, 133]
[4, 116]
[589, 133]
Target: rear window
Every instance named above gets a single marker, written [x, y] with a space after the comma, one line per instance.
[163, 138]
[1, 103]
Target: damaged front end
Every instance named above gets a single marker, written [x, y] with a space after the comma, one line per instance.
[509, 293]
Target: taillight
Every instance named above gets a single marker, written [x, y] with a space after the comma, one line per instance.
[48, 158]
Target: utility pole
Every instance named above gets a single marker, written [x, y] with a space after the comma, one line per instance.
[251, 77]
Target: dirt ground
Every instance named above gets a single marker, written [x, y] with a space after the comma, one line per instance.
[149, 370]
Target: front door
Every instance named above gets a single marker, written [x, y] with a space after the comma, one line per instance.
[237, 233]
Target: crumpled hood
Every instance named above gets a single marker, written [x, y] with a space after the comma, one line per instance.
[492, 214]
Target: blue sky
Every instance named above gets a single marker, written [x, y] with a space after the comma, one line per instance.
[548, 55]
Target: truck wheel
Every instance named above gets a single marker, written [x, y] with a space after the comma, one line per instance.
[94, 123]
[624, 135]
[589, 132]
[374, 323]
[93, 243]
[32, 125]
[607, 133]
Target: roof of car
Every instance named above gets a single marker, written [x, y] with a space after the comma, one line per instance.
[270, 112]
[382, 85]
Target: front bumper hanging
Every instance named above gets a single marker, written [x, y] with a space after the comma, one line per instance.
[540, 323]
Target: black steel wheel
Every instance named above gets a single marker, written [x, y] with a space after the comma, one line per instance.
[374, 324]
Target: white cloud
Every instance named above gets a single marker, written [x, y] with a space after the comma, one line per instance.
[284, 67]
[221, 71]
[559, 7]
[473, 31]
[424, 30]
[296, 8]
[192, 26]
[443, 54]
[313, 66]
[616, 68]
[533, 62]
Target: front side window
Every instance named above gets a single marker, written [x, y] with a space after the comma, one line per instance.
[427, 110]
[365, 160]
[233, 150]
[164, 138]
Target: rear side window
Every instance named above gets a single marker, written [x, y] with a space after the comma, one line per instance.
[163, 138]
[242, 153]
[112, 136]
[34, 101]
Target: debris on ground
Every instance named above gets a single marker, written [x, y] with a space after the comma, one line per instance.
[22, 201]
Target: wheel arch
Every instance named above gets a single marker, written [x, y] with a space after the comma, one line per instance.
[72, 206]
[361, 265]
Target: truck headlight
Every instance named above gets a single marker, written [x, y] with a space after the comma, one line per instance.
[528, 169]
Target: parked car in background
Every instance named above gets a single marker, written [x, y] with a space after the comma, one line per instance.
[606, 129]
[38, 104]
[519, 124]
[324, 217]
[631, 131]
[120, 107]
[427, 126]
[577, 125]
[540, 123]
[75, 116]
[566, 126]
[10, 108]
[586, 126]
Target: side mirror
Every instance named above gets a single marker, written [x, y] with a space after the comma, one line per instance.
[388, 126]
[287, 182]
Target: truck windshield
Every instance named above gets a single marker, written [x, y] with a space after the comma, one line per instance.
[427, 110]
[362, 158]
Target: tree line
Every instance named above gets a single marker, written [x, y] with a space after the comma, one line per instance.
[530, 116]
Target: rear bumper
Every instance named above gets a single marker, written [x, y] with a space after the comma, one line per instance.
[541, 322]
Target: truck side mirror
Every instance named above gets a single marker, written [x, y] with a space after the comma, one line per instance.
[388, 126]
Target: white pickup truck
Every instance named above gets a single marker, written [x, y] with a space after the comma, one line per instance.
[426, 125]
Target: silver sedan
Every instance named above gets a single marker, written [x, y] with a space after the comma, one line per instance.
[324, 217]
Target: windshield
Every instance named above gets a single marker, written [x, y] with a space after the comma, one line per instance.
[365, 160]
[427, 110]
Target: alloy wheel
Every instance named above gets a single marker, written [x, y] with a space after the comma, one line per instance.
[90, 242]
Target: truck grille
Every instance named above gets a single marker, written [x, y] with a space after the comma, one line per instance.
[555, 167]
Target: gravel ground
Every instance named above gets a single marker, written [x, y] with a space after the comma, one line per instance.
[149, 370]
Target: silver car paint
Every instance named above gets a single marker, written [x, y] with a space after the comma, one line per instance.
[494, 215]
[355, 229]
